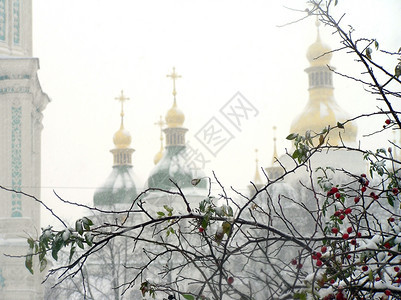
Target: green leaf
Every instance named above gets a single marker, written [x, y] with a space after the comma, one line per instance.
[78, 227]
[300, 296]
[56, 246]
[230, 211]
[390, 200]
[195, 182]
[371, 276]
[89, 238]
[188, 297]
[340, 125]
[205, 221]
[87, 221]
[292, 136]
[368, 53]
[80, 244]
[335, 2]
[226, 227]
[398, 69]
[72, 251]
[29, 263]
[161, 214]
[43, 264]
[31, 243]
[42, 254]
[295, 154]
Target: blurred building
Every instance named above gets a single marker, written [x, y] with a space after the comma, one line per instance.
[21, 104]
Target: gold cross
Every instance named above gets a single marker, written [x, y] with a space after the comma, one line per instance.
[122, 98]
[174, 76]
[161, 123]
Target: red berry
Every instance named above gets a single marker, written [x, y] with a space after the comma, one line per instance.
[319, 263]
[349, 229]
[314, 256]
[332, 281]
[397, 269]
[349, 256]
[345, 236]
[377, 278]
[388, 121]
[318, 255]
[365, 268]
[359, 234]
[387, 245]
[353, 242]
[201, 229]
[334, 190]
[323, 249]
[391, 219]
[294, 262]
[299, 266]
[230, 280]
[340, 296]
[347, 211]
[334, 230]
[395, 191]
[338, 195]
[363, 189]
[363, 175]
[366, 183]
[337, 213]
[342, 217]
[356, 199]
[387, 292]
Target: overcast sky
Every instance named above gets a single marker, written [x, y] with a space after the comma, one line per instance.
[91, 50]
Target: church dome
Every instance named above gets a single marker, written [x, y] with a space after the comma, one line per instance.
[319, 54]
[174, 167]
[119, 188]
[175, 117]
[158, 156]
[322, 110]
[122, 138]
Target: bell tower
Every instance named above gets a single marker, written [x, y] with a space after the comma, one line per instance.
[21, 104]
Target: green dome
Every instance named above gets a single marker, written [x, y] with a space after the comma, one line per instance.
[118, 188]
[173, 165]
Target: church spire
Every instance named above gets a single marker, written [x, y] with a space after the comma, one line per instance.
[322, 110]
[175, 133]
[119, 187]
[122, 139]
[257, 180]
[174, 76]
[122, 99]
[174, 117]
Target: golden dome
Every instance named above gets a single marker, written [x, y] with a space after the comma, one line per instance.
[316, 51]
[320, 112]
[158, 156]
[175, 117]
[122, 138]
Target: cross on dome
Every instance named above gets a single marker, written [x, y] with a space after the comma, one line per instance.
[161, 123]
[174, 76]
[122, 98]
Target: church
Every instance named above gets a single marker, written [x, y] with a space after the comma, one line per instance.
[22, 103]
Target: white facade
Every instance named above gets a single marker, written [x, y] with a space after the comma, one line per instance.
[21, 104]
